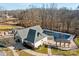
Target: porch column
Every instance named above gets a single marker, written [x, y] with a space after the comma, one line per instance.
[60, 44]
[56, 44]
[68, 45]
[64, 44]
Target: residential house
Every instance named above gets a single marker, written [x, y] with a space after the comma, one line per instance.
[31, 36]
[36, 36]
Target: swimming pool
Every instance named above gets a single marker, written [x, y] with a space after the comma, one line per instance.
[57, 35]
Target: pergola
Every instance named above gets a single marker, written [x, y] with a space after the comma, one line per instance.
[62, 43]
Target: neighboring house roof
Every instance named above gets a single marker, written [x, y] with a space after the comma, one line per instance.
[31, 34]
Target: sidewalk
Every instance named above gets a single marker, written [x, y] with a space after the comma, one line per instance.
[49, 51]
[73, 45]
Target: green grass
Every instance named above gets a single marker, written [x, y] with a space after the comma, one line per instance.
[2, 27]
[65, 53]
[8, 18]
[42, 49]
[77, 41]
[23, 53]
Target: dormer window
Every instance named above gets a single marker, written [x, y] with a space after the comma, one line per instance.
[38, 34]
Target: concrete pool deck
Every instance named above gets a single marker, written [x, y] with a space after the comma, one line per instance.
[71, 47]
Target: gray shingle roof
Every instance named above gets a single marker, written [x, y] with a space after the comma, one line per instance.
[31, 34]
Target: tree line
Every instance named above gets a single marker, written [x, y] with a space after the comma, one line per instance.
[49, 17]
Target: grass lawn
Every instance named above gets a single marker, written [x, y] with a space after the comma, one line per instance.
[65, 53]
[77, 41]
[23, 53]
[7, 51]
[3, 27]
[8, 18]
[11, 19]
[42, 49]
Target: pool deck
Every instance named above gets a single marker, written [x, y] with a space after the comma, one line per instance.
[72, 45]
[69, 39]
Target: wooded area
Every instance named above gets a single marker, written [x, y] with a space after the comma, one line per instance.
[49, 17]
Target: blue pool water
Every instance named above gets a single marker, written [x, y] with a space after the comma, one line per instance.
[56, 35]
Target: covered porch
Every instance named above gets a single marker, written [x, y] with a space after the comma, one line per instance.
[63, 44]
[59, 44]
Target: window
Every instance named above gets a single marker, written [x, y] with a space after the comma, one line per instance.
[18, 40]
[38, 34]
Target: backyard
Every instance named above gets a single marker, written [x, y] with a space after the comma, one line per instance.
[77, 41]
[42, 49]
[69, 52]
[65, 53]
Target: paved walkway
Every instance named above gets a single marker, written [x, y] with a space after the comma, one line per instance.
[14, 52]
[73, 45]
[49, 51]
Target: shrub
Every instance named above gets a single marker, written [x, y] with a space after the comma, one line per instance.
[77, 41]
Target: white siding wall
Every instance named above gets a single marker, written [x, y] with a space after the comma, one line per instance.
[6, 33]
[37, 44]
